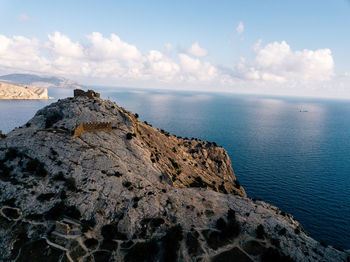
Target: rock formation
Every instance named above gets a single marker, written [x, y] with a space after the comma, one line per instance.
[9, 91]
[133, 194]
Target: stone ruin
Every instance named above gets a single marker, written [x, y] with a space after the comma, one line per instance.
[92, 127]
[90, 93]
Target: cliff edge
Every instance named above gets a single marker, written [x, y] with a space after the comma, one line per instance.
[84, 180]
[10, 91]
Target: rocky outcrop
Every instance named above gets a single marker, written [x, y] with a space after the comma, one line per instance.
[8, 91]
[133, 194]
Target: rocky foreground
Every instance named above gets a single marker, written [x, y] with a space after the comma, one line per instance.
[9, 91]
[132, 193]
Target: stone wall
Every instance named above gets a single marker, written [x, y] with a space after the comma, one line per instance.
[92, 127]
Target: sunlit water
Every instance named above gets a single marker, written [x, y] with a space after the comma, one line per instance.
[298, 161]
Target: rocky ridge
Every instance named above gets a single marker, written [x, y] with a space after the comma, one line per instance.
[132, 194]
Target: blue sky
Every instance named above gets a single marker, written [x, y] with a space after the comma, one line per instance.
[313, 37]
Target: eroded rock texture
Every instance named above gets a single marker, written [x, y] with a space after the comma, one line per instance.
[133, 194]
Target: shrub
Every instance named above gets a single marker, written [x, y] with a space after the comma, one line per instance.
[237, 184]
[59, 177]
[71, 184]
[109, 245]
[174, 163]
[171, 243]
[73, 212]
[260, 232]
[45, 197]
[282, 232]
[136, 200]
[222, 188]
[273, 255]
[198, 182]
[53, 152]
[126, 184]
[192, 243]
[145, 251]
[109, 231]
[36, 167]
[129, 136]
[12, 153]
[52, 118]
[56, 211]
[91, 243]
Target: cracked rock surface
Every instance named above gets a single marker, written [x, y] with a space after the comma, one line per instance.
[133, 194]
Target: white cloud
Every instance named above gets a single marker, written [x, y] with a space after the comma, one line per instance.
[280, 62]
[63, 46]
[240, 28]
[161, 66]
[196, 50]
[195, 70]
[111, 59]
[103, 48]
[22, 53]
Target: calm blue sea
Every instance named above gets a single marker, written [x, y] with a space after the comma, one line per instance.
[298, 161]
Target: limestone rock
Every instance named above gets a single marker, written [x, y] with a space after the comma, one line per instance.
[132, 194]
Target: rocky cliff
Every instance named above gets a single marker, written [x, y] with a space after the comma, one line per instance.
[9, 91]
[133, 193]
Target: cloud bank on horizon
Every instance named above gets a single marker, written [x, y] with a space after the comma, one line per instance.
[275, 65]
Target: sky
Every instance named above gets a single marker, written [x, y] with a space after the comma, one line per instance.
[289, 47]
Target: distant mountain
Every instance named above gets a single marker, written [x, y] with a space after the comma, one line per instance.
[39, 81]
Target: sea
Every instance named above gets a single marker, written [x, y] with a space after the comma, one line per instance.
[293, 153]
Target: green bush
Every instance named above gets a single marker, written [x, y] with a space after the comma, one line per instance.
[174, 163]
[52, 118]
[260, 231]
[145, 251]
[87, 225]
[237, 184]
[129, 136]
[282, 232]
[12, 153]
[273, 255]
[59, 177]
[91, 243]
[171, 243]
[36, 167]
[71, 184]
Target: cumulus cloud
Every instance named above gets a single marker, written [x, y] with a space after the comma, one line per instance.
[197, 50]
[195, 70]
[110, 58]
[103, 48]
[277, 63]
[240, 28]
[62, 45]
[101, 57]
[161, 66]
[22, 53]
[279, 60]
